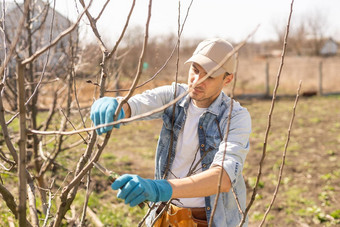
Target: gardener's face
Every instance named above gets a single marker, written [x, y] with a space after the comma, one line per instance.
[206, 92]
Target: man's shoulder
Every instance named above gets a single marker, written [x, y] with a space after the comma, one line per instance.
[237, 106]
[180, 86]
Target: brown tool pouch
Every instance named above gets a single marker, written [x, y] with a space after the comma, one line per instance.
[180, 217]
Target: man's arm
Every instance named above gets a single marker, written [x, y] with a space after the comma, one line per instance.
[134, 189]
[200, 185]
[127, 110]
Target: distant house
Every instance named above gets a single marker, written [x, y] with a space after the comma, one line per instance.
[41, 15]
[330, 48]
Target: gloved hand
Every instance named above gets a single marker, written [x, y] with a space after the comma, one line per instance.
[102, 112]
[134, 189]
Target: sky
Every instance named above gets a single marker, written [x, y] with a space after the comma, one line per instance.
[230, 19]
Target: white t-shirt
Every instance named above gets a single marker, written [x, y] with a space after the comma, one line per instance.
[188, 154]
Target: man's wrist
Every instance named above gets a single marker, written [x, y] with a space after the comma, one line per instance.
[125, 107]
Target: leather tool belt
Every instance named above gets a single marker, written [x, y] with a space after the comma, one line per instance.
[181, 217]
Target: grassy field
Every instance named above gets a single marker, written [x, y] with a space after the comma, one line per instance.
[310, 187]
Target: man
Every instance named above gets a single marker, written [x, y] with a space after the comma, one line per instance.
[190, 151]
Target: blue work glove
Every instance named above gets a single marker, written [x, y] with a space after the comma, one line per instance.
[102, 112]
[134, 189]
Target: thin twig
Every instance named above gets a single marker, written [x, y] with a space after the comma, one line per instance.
[283, 157]
[9, 199]
[32, 202]
[49, 203]
[47, 58]
[101, 12]
[225, 139]
[42, 50]
[3, 29]
[57, 39]
[94, 218]
[17, 36]
[76, 98]
[167, 60]
[94, 27]
[264, 151]
[88, 193]
[151, 78]
[123, 31]
[67, 119]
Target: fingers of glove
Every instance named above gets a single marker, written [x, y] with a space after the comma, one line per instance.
[136, 192]
[95, 117]
[95, 114]
[97, 109]
[102, 116]
[121, 181]
[109, 113]
[127, 189]
[139, 199]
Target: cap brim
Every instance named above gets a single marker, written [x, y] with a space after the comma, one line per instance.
[206, 63]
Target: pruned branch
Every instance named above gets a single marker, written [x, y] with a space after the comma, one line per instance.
[283, 157]
[264, 150]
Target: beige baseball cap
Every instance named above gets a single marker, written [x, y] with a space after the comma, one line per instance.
[210, 52]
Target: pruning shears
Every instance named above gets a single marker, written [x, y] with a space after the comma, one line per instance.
[112, 176]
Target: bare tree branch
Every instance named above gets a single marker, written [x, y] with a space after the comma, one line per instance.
[49, 203]
[22, 146]
[9, 199]
[225, 139]
[32, 202]
[167, 60]
[264, 151]
[88, 193]
[283, 157]
[5, 133]
[47, 57]
[16, 38]
[43, 12]
[2, 71]
[57, 39]
[101, 12]
[94, 27]
[124, 29]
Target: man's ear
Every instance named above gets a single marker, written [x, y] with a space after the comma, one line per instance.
[228, 79]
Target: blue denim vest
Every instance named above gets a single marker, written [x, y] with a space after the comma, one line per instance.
[211, 130]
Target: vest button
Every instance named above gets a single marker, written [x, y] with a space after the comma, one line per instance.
[202, 145]
[208, 208]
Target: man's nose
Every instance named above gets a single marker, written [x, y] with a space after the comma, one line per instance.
[195, 78]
